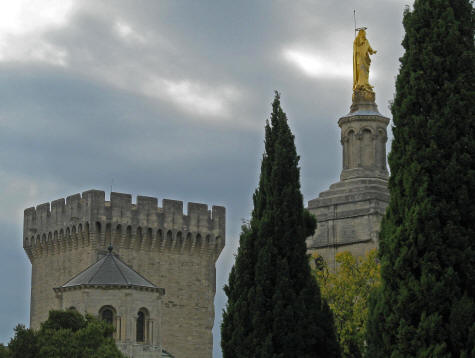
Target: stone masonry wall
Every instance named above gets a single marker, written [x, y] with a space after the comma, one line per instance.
[175, 251]
[125, 303]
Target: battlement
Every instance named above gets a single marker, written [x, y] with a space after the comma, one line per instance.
[92, 213]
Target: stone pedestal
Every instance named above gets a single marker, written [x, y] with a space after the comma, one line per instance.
[350, 212]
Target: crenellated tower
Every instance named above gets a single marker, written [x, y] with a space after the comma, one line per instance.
[173, 250]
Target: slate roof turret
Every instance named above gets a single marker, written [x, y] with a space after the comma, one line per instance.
[110, 271]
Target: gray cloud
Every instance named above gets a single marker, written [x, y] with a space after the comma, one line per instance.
[169, 99]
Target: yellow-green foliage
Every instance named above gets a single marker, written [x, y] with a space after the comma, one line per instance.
[347, 292]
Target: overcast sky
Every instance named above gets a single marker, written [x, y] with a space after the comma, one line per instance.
[169, 99]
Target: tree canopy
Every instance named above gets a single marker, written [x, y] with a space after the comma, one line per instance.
[274, 305]
[347, 292]
[426, 307]
[64, 334]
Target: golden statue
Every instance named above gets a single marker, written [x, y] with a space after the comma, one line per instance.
[361, 61]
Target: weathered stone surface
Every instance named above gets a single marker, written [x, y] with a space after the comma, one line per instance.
[175, 251]
[125, 303]
[350, 212]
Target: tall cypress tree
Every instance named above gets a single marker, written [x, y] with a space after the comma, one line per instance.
[274, 305]
[426, 306]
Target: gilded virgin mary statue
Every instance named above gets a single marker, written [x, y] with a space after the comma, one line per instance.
[362, 90]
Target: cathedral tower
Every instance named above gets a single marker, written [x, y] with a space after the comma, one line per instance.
[350, 212]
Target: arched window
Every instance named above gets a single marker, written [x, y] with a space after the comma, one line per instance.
[140, 327]
[141, 332]
[106, 313]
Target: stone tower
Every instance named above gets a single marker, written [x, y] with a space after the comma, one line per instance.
[350, 212]
[171, 250]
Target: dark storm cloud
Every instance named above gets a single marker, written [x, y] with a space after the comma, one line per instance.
[169, 99]
[15, 290]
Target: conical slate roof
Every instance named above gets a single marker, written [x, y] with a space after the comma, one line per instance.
[110, 270]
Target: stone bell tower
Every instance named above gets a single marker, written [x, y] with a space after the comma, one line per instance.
[350, 212]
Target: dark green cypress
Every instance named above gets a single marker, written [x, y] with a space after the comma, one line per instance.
[426, 305]
[274, 305]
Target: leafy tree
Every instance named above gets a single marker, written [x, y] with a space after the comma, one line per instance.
[347, 292]
[70, 319]
[426, 304]
[274, 306]
[23, 344]
[65, 334]
[4, 352]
